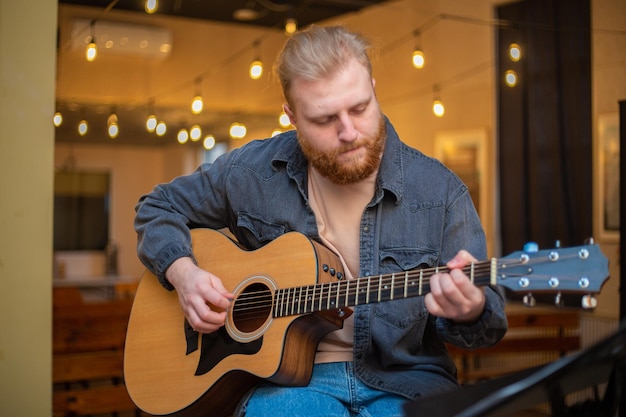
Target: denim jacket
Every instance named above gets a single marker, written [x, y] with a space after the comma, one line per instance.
[420, 216]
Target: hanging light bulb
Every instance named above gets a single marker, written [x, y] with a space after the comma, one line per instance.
[510, 78]
[209, 142]
[438, 107]
[57, 119]
[197, 103]
[283, 120]
[195, 133]
[161, 128]
[151, 6]
[515, 52]
[291, 26]
[183, 136]
[92, 49]
[418, 54]
[151, 121]
[256, 66]
[83, 127]
[112, 124]
[237, 130]
[275, 132]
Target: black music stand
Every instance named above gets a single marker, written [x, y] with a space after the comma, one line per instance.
[604, 362]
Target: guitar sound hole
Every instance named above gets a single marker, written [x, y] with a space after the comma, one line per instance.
[252, 307]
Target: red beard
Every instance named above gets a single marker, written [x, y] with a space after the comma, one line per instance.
[344, 173]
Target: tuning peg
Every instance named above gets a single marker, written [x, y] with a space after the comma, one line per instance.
[589, 241]
[529, 300]
[589, 302]
[531, 247]
[558, 300]
[557, 244]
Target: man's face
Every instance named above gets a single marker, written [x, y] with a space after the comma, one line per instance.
[340, 127]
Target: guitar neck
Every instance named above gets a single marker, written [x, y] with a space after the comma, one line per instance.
[372, 289]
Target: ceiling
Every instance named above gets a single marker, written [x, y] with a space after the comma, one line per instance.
[92, 91]
[266, 13]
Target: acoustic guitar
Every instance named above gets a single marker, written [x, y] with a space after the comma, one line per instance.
[288, 295]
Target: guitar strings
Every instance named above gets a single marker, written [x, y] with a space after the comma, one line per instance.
[315, 294]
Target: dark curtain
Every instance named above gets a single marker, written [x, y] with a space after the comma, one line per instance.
[544, 124]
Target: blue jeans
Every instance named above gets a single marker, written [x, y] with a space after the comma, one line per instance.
[334, 390]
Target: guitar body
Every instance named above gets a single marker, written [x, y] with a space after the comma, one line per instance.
[171, 370]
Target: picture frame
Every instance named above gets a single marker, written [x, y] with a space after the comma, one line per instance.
[606, 181]
[464, 152]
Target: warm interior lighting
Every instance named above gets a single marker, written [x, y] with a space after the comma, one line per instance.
[283, 120]
[83, 127]
[237, 130]
[195, 133]
[91, 52]
[183, 136]
[209, 142]
[197, 104]
[291, 26]
[161, 128]
[438, 108]
[151, 123]
[510, 78]
[256, 69]
[151, 6]
[515, 52]
[418, 58]
[114, 130]
[276, 132]
[57, 119]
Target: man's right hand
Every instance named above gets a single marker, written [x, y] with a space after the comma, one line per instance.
[201, 294]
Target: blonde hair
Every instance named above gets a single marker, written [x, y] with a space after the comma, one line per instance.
[317, 52]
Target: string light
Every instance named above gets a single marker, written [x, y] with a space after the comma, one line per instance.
[256, 66]
[438, 107]
[151, 121]
[283, 120]
[195, 133]
[510, 78]
[57, 119]
[515, 52]
[151, 6]
[208, 142]
[237, 130]
[161, 128]
[418, 55]
[183, 136]
[197, 103]
[92, 49]
[291, 26]
[83, 127]
[112, 124]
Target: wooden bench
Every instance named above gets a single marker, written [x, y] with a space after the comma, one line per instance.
[534, 338]
[88, 353]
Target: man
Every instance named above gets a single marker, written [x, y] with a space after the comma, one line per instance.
[343, 178]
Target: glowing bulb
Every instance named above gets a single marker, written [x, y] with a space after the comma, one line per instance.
[515, 52]
[256, 69]
[418, 59]
[283, 120]
[151, 6]
[114, 130]
[209, 142]
[276, 132]
[57, 119]
[195, 132]
[438, 108]
[92, 50]
[151, 123]
[510, 78]
[161, 128]
[237, 130]
[183, 136]
[83, 127]
[197, 104]
[291, 25]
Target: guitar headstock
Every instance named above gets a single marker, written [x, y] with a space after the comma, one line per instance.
[573, 270]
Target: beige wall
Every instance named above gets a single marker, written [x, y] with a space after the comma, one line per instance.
[27, 61]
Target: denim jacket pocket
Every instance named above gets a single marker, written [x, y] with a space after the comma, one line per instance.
[395, 260]
[256, 232]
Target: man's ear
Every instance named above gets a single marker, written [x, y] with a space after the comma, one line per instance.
[289, 113]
